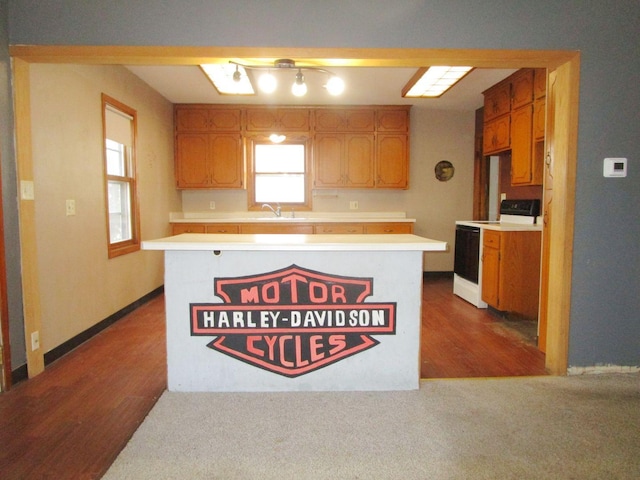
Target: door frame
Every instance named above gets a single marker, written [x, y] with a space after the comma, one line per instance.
[566, 64]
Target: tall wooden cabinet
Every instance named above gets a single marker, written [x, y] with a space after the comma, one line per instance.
[208, 147]
[514, 119]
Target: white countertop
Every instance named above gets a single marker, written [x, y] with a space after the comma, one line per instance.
[290, 242]
[300, 217]
[502, 227]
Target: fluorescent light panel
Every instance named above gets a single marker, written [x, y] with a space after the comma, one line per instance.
[432, 82]
[221, 75]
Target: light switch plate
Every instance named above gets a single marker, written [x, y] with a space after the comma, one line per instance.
[614, 167]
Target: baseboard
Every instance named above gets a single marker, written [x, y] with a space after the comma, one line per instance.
[19, 374]
[437, 274]
[602, 369]
[66, 347]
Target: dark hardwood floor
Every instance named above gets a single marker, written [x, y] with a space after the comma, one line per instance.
[71, 421]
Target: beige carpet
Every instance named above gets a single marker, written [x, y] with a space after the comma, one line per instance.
[579, 427]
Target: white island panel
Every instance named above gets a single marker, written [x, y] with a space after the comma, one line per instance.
[374, 344]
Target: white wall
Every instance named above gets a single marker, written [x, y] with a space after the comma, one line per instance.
[435, 135]
[79, 285]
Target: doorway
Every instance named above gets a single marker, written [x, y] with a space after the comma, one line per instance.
[564, 136]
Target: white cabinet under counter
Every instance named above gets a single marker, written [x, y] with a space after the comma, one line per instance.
[293, 312]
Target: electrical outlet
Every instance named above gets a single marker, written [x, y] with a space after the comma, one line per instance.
[353, 205]
[35, 341]
[71, 207]
[212, 205]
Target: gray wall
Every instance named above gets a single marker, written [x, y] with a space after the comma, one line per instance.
[605, 318]
[10, 200]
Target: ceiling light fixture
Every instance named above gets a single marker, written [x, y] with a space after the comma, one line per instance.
[433, 82]
[229, 79]
[267, 81]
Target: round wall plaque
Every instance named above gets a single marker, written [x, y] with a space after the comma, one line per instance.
[444, 170]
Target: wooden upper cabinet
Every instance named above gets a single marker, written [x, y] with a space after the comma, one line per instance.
[539, 118]
[393, 120]
[209, 160]
[392, 165]
[344, 119]
[539, 83]
[202, 118]
[496, 136]
[497, 101]
[521, 88]
[343, 160]
[260, 119]
[521, 150]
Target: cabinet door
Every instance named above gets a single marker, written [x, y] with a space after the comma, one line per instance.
[192, 160]
[491, 276]
[224, 119]
[497, 101]
[261, 228]
[278, 119]
[344, 120]
[192, 119]
[496, 136]
[393, 120]
[225, 164]
[338, 228]
[358, 161]
[539, 82]
[539, 116]
[222, 228]
[328, 149]
[522, 88]
[178, 228]
[206, 119]
[388, 228]
[392, 161]
[521, 146]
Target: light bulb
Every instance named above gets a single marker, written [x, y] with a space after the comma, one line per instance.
[299, 88]
[335, 86]
[267, 82]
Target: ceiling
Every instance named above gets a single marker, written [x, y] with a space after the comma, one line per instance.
[364, 86]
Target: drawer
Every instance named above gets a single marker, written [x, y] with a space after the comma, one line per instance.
[341, 228]
[376, 228]
[178, 228]
[223, 228]
[491, 239]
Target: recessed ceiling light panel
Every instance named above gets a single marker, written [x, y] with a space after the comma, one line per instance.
[432, 82]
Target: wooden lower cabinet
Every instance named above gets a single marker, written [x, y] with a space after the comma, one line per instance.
[378, 228]
[511, 271]
[306, 228]
[258, 228]
[338, 228]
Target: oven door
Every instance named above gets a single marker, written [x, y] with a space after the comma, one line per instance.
[467, 252]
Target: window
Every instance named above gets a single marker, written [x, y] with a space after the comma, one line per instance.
[123, 223]
[280, 173]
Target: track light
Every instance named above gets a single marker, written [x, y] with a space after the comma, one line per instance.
[299, 87]
[267, 81]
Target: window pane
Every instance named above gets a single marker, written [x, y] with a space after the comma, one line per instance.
[115, 158]
[280, 188]
[279, 158]
[119, 212]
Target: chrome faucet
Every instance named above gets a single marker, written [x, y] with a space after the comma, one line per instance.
[276, 211]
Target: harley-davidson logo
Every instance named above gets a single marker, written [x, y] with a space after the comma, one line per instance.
[292, 321]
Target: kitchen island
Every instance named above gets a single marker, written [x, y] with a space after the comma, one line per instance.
[293, 312]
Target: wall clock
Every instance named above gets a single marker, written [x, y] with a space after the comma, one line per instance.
[444, 170]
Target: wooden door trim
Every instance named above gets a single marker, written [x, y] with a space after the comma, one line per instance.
[565, 134]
